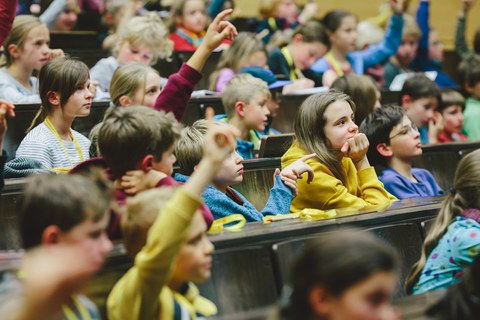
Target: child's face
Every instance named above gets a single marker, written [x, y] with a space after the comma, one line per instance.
[345, 37]
[367, 300]
[67, 19]
[35, 51]
[340, 124]
[421, 110]
[273, 104]
[147, 95]
[304, 54]
[288, 10]
[165, 164]
[128, 52]
[194, 16]
[255, 113]
[92, 235]
[452, 119]
[231, 171]
[195, 258]
[405, 140]
[79, 103]
[408, 49]
[258, 58]
[435, 46]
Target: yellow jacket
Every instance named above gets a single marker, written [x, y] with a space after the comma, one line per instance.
[142, 293]
[327, 192]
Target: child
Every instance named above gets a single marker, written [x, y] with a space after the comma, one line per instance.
[58, 210]
[400, 62]
[246, 50]
[357, 284]
[469, 73]
[26, 50]
[419, 98]
[219, 196]
[6, 110]
[342, 59]
[325, 125]
[189, 19]
[142, 39]
[453, 242]
[66, 94]
[362, 90]
[309, 43]
[245, 101]
[176, 250]
[451, 108]
[461, 46]
[273, 103]
[394, 143]
[279, 15]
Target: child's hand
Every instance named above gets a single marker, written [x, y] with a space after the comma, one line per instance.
[290, 181]
[93, 87]
[296, 169]
[54, 53]
[6, 109]
[397, 6]
[466, 5]
[435, 126]
[220, 143]
[136, 181]
[219, 30]
[356, 148]
[309, 11]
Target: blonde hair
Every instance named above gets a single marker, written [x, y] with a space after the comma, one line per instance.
[148, 30]
[466, 194]
[237, 55]
[127, 79]
[309, 131]
[243, 87]
[267, 8]
[189, 147]
[410, 27]
[142, 210]
[20, 29]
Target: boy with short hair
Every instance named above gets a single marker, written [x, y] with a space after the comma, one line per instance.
[176, 249]
[245, 101]
[57, 211]
[451, 108]
[394, 143]
[223, 200]
[419, 98]
[469, 74]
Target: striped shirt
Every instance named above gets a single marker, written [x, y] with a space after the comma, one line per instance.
[42, 145]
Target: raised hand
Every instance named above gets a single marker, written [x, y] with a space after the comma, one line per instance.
[219, 30]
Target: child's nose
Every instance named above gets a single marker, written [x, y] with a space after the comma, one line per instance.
[209, 247]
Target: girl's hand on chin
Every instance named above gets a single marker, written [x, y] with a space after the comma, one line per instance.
[356, 147]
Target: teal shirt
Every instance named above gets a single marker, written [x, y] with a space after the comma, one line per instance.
[471, 115]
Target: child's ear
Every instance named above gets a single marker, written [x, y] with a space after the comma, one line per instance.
[240, 108]
[13, 50]
[147, 163]
[53, 98]
[51, 235]
[320, 301]
[384, 150]
[406, 100]
[297, 38]
[125, 101]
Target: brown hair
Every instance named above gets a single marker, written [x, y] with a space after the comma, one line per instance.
[450, 98]
[61, 75]
[127, 135]
[466, 195]
[309, 131]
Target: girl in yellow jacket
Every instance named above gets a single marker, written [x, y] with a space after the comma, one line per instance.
[325, 125]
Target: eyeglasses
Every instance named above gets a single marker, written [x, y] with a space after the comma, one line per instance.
[411, 129]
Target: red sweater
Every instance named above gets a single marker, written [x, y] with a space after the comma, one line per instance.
[7, 14]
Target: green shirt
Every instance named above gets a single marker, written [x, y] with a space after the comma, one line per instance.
[471, 123]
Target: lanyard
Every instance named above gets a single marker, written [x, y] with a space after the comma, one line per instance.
[84, 314]
[50, 126]
[192, 38]
[333, 63]
[295, 73]
[273, 24]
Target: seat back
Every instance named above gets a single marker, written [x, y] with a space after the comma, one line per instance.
[242, 279]
[407, 240]
[275, 145]
[426, 226]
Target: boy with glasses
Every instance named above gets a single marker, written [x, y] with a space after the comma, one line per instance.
[394, 143]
